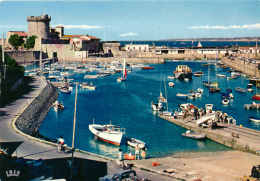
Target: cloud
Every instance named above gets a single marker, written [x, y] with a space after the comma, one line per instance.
[253, 26]
[129, 34]
[79, 26]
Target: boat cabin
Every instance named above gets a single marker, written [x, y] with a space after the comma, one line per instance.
[183, 68]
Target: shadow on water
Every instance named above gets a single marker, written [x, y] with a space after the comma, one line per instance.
[19, 93]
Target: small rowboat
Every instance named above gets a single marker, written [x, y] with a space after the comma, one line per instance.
[220, 75]
[239, 89]
[65, 91]
[194, 135]
[255, 119]
[129, 156]
[134, 142]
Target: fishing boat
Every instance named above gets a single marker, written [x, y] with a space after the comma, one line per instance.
[129, 156]
[182, 72]
[194, 135]
[123, 78]
[134, 142]
[108, 133]
[255, 119]
[239, 89]
[225, 101]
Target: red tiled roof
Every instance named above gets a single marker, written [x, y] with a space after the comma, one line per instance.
[92, 37]
[20, 33]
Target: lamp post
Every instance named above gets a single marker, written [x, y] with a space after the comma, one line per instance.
[73, 137]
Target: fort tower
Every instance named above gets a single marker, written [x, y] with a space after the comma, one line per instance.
[39, 26]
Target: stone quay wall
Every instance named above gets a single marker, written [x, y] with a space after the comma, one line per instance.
[246, 67]
[32, 117]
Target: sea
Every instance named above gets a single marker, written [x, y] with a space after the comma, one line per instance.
[128, 105]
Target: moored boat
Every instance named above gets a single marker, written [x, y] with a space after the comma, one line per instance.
[65, 90]
[90, 76]
[194, 135]
[220, 75]
[89, 86]
[58, 105]
[239, 89]
[181, 95]
[147, 68]
[256, 96]
[255, 119]
[171, 84]
[134, 142]
[108, 133]
[182, 72]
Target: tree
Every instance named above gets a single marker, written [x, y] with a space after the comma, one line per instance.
[30, 42]
[16, 41]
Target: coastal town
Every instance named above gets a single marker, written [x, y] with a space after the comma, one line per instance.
[42, 80]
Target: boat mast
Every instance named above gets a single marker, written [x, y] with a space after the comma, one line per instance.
[166, 94]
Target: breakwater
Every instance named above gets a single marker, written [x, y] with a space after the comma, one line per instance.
[233, 136]
[30, 120]
[246, 67]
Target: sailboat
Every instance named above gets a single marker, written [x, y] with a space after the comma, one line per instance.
[166, 113]
[123, 78]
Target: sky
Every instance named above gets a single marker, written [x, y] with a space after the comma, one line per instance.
[139, 19]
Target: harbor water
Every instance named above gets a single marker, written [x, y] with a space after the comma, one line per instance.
[128, 105]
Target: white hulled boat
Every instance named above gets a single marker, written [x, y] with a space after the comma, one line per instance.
[108, 133]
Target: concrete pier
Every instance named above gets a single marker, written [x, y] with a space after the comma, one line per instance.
[248, 139]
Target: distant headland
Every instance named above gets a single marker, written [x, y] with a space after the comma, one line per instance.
[215, 39]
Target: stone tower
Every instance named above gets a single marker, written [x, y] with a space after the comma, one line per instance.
[39, 26]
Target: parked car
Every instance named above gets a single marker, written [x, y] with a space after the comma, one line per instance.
[119, 176]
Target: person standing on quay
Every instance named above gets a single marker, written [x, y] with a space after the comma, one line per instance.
[137, 152]
[120, 155]
[143, 153]
[61, 143]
